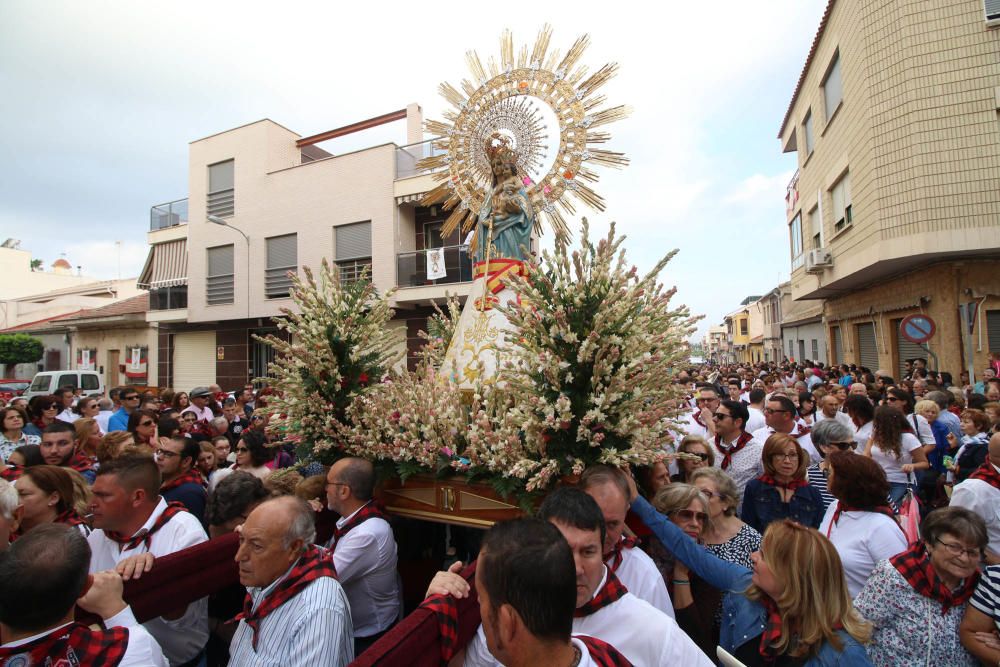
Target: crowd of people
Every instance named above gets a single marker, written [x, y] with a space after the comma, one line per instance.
[804, 516]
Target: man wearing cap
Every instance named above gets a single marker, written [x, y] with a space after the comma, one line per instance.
[199, 404]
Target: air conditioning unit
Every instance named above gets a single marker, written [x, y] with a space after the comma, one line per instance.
[818, 259]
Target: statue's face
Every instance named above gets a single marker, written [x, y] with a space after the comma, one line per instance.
[501, 168]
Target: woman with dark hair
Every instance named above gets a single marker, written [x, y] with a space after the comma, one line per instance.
[860, 523]
[971, 452]
[782, 492]
[917, 598]
[181, 401]
[807, 407]
[87, 408]
[43, 412]
[47, 495]
[894, 447]
[13, 421]
[142, 426]
[252, 456]
[861, 411]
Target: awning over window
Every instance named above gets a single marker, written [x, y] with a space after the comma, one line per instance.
[166, 265]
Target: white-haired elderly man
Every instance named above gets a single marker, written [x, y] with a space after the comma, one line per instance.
[295, 611]
[11, 510]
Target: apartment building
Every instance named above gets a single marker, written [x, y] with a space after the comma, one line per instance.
[715, 344]
[769, 311]
[895, 208]
[264, 201]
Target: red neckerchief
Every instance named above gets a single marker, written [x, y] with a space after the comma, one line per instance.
[70, 518]
[12, 472]
[369, 511]
[314, 564]
[988, 474]
[727, 454]
[144, 537]
[794, 484]
[841, 508]
[75, 644]
[800, 431]
[446, 611]
[697, 419]
[602, 653]
[772, 630]
[915, 566]
[616, 552]
[192, 476]
[81, 463]
[612, 591]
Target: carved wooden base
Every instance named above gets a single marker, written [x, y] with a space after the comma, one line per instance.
[453, 500]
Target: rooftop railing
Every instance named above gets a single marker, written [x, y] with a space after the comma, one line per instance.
[408, 156]
[167, 215]
[411, 267]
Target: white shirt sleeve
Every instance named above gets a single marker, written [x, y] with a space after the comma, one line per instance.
[142, 649]
[477, 654]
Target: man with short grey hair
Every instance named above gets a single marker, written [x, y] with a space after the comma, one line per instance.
[295, 611]
[11, 511]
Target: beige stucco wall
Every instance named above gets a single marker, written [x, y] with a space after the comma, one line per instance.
[117, 337]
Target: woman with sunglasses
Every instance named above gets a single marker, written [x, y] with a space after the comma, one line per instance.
[807, 407]
[917, 598]
[697, 445]
[695, 602]
[894, 447]
[725, 535]
[782, 492]
[142, 426]
[790, 608]
[860, 523]
[828, 436]
[43, 412]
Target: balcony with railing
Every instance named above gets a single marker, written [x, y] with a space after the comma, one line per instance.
[408, 156]
[411, 267]
[171, 214]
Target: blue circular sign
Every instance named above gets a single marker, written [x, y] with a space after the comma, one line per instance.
[917, 328]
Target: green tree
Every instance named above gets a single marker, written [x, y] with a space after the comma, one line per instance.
[20, 349]
[36, 265]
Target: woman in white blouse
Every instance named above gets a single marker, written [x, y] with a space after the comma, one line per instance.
[860, 523]
[894, 447]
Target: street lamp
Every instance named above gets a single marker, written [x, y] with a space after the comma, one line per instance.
[219, 221]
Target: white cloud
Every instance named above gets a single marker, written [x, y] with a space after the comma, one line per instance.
[759, 189]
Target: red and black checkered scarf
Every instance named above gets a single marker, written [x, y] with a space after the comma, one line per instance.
[192, 476]
[12, 472]
[615, 555]
[915, 566]
[81, 463]
[727, 454]
[446, 612]
[841, 508]
[988, 474]
[772, 630]
[144, 536]
[602, 653]
[794, 484]
[75, 644]
[612, 591]
[70, 518]
[314, 564]
[800, 431]
[369, 511]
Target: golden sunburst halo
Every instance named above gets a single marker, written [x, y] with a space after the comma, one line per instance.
[504, 102]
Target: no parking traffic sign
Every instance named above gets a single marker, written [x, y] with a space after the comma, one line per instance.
[917, 328]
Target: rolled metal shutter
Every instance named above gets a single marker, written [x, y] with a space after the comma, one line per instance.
[907, 350]
[867, 346]
[992, 331]
[838, 346]
[194, 360]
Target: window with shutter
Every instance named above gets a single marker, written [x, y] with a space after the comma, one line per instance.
[219, 281]
[832, 89]
[867, 346]
[807, 129]
[221, 189]
[353, 245]
[816, 227]
[282, 259]
[795, 238]
[841, 195]
[993, 328]
[992, 8]
[838, 346]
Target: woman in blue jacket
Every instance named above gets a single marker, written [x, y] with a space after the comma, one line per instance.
[782, 492]
[791, 608]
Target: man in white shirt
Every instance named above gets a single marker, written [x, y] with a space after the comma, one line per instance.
[364, 550]
[980, 493]
[636, 570]
[781, 418]
[829, 408]
[133, 523]
[105, 404]
[45, 575]
[736, 452]
[755, 410]
[199, 397]
[699, 421]
[604, 608]
[296, 612]
[67, 398]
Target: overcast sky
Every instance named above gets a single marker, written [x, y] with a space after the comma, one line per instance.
[99, 100]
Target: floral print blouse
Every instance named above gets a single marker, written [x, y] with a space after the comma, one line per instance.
[8, 446]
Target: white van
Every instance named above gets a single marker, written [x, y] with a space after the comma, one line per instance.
[48, 381]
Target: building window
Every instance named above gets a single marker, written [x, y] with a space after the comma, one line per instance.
[168, 298]
[795, 239]
[219, 284]
[807, 129]
[841, 193]
[815, 227]
[221, 190]
[743, 327]
[833, 92]
[282, 259]
[353, 244]
[992, 8]
[815, 349]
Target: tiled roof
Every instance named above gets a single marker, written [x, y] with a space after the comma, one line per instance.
[37, 323]
[805, 68]
[135, 305]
